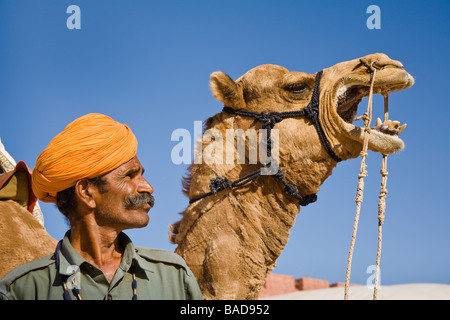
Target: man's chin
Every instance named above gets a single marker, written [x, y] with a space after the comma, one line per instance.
[145, 221]
[139, 218]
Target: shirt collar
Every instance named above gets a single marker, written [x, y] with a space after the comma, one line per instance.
[70, 258]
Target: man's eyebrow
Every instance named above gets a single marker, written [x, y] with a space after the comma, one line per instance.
[134, 170]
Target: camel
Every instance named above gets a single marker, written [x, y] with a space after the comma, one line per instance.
[232, 239]
[22, 233]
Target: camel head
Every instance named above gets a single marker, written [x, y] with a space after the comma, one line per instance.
[342, 87]
[231, 240]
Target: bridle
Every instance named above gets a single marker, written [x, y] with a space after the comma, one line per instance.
[311, 111]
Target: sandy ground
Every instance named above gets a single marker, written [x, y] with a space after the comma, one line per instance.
[414, 291]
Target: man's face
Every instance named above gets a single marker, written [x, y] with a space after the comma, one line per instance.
[124, 201]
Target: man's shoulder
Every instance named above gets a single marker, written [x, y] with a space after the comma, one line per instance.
[162, 256]
[23, 270]
[169, 263]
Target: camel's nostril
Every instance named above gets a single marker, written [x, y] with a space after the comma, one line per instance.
[381, 63]
[390, 64]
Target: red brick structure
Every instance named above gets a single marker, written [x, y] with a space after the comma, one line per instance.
[310, 283]
[279, 284]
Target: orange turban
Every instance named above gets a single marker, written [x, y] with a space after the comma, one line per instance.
[90, 146]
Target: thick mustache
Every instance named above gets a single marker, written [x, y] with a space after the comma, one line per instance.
[137, 201]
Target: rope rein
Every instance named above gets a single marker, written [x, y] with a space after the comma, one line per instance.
[381, 204]
[362, 174]
[367, 117]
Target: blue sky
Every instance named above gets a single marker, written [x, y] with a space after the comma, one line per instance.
[147, 64]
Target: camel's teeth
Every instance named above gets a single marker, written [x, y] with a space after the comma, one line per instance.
[387, 123]
[378, 122]
[395, 124]
[400, 129]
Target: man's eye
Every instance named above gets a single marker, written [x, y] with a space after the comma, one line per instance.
[296, 88]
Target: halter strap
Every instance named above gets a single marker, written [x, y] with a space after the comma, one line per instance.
[269, 119]
[311, 111]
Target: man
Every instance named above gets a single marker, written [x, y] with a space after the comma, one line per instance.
[90, 170]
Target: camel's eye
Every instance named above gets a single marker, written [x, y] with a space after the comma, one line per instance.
[297, 88]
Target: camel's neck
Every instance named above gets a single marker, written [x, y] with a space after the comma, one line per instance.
[272, 213]
[262, 201]
[239, 233]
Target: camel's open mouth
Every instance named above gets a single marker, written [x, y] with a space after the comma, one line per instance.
[350, 91]
[348, 99]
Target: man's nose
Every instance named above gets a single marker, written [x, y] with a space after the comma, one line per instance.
[145, 186]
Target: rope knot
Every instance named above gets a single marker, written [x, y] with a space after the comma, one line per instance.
[219, 183]
[269, 119]
[310, 198]
[310, 112]
[383, 193]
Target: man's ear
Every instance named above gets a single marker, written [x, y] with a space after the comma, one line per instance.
[84, 191]
[226, 90]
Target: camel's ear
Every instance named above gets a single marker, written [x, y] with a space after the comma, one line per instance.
[226, 90]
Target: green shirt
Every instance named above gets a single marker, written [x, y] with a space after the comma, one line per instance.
[160, 274]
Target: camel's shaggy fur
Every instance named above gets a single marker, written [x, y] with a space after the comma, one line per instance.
[22, 237]
[231, 241]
